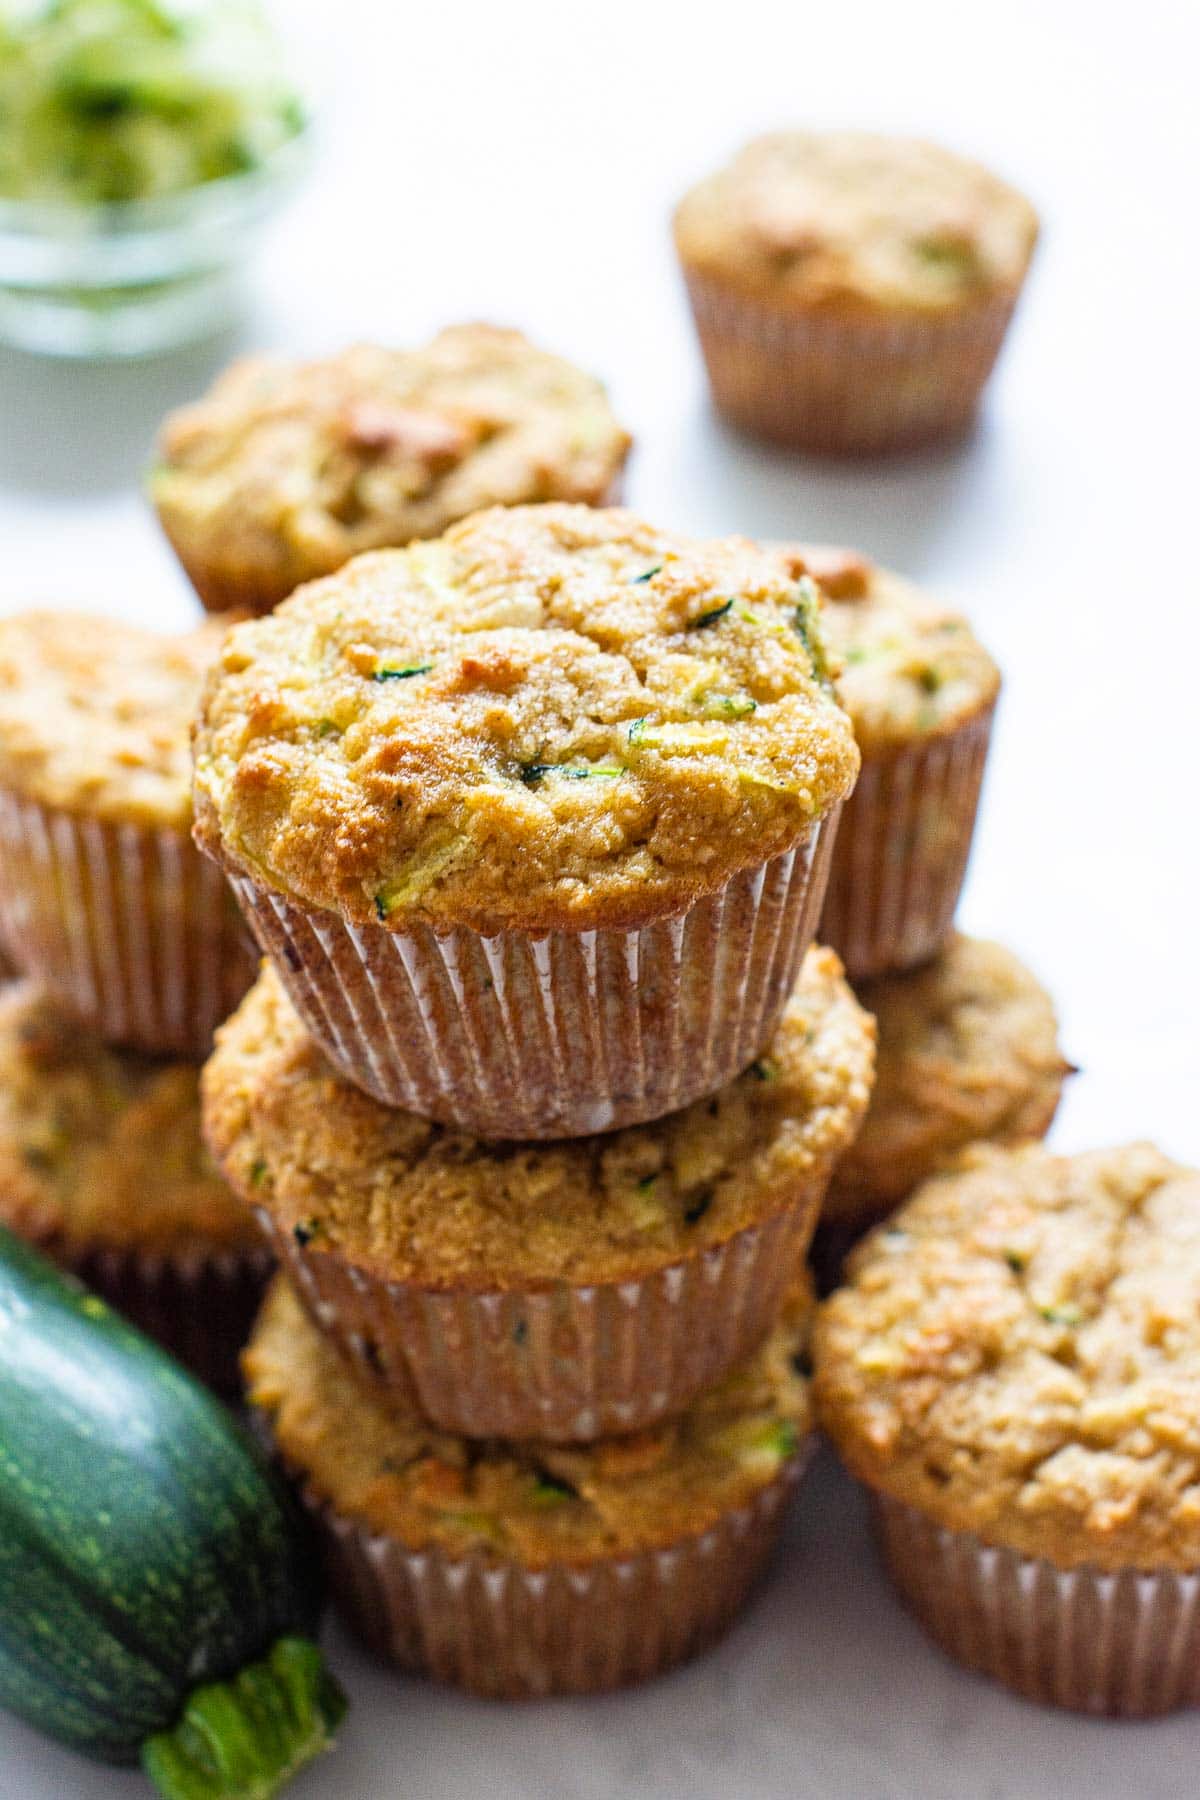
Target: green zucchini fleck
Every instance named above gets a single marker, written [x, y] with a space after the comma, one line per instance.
[406, 673]
[765, 1069]
[729, 706]
[648, 575]
[808, 607]
[1015, 1261]
[709, 618]
[258, 1173]
[549, 1490]
[1068, 1315]
[646, 1183]
[305, 1231]
[533, 773]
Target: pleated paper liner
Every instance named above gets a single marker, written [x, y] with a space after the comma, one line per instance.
[1124, 1643]
[902, 851]
[127, 924]
[498, 1629]
[560, 1034]
[845, 386]
[562, 1364]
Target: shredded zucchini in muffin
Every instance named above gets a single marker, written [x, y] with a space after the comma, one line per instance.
[550, 716]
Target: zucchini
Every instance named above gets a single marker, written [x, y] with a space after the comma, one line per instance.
[157, 1585]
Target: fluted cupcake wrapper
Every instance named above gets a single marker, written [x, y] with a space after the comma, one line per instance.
[842, 385]
[902, 851]
[1124, 1643]
[505, 1631]
[563, 1364]
[128, 925]
[559, 1034]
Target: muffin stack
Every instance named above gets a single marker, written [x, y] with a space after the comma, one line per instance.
[968, 1041]
[541, 1086]
[132, 952]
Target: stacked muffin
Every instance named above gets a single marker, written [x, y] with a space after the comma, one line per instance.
[533, 823]
[968, 1041]
[132, 952]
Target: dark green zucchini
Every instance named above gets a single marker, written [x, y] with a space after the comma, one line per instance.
[157, 1585]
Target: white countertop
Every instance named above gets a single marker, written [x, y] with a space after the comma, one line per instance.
[518, 163]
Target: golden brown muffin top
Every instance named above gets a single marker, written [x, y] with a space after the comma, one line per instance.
[551, 717]
[908, 668]
[968, 1049]
[292, 468]
[95, 715]
[101, 1148]
[413, 1201]
[378, 1463]
[1017, 1354]
[854, 222]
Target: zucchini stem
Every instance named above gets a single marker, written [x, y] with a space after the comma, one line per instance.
[244, 1739]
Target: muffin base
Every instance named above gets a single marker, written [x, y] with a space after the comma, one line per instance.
[561, 1364]
[129, 926]
[1125, 1644]
[507, 1632]
[902, 851]
[848, 387]
[560, 1034]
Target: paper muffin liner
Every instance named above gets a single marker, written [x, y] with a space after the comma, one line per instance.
[554, 1035]
[127, 924]
[902, 851]
[1124, 1643]
[498, 1629]
[846, 386]
[562, 1364]
[224, 588]
[198, 1304]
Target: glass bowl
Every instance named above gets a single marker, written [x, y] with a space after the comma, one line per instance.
[124, 280]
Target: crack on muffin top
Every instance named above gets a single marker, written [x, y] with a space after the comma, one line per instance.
[846, 221]
[410, 1200]
[552, 716]
[1016, 1354]
[375, 1460]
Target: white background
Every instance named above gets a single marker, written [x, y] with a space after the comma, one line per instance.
[518, 162]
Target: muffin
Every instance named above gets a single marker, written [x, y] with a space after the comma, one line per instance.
[564, 1291]
[534, 820]
[287, 470]
[102, 1166]
[921, 691]
[520, 1570]
[1014, 1373]
[851, 291]
[103, 897]
[968, 1050]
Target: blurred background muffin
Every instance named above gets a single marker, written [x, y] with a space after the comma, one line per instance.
[286, 470]
[562, 1291]
[102, 1166]
[851, 291]
[968, 1050]
[921, 692]
[521, 1570]
[103, 897]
